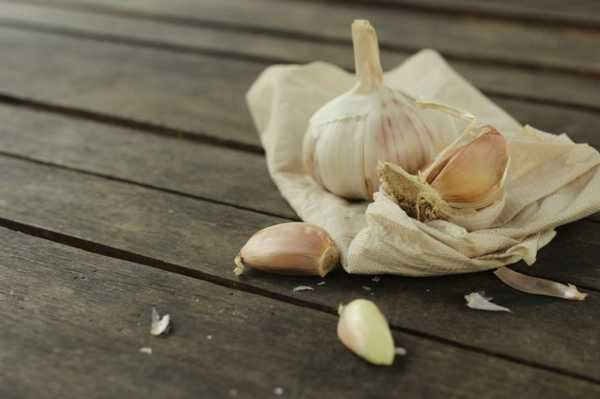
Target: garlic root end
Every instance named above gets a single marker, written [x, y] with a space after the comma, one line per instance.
[413, 194]
[239, 266]
[328, 260]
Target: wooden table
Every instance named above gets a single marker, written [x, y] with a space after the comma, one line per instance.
[132, 174]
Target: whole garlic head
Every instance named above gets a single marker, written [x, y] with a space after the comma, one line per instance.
[349, 135]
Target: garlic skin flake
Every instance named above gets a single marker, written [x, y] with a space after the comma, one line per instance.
[301, 249]
[160, 325]
[478, 301]
[464, 184]
[363, 329]
[301, 288]
[348, 136]
[538, 286]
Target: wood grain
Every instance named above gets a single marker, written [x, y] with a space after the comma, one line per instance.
[201, 236]
[184, 91]
[461, 36]
[544, 86]
[215, 173]
[72, 323]
[578, 13]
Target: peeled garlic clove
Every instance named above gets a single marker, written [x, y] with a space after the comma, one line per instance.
[473, 173]
[289, 248]
[348, 136]
[365, 331]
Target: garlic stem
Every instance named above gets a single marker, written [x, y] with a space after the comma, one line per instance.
[366, 57]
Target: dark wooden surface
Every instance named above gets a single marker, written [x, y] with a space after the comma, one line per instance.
[133, 172]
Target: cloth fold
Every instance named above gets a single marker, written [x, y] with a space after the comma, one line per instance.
[551, 180]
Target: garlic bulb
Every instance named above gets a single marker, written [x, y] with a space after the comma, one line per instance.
[289, 248]
[464, 184]
[349, 135]
[365, 331]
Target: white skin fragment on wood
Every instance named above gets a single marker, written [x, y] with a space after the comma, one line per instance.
[478, 300]
[160, 325]
[303, 288]
[146, 350]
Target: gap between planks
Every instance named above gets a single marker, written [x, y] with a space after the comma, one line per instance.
[113, 120]
[451, 10]
[236, 27]
[191, 49]
[129, 256]
[184, 49]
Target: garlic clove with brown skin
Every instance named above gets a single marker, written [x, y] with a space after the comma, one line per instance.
[289, 248]
[348, 136]
[363, 329]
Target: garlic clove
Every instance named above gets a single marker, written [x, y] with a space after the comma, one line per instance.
[289, 248]
[452, 187]
[363, 329]
[473, 173]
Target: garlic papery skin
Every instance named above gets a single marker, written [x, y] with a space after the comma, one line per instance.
[348, 136]
[289, 248]
[464, 184]
[363, 329]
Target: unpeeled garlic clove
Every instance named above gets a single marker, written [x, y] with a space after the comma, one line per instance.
[472, 174]
[289, 248]
[363, 329]
[464, 184]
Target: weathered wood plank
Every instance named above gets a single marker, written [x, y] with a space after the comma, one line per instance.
[461, 36]
[205, 237]
[72, 323]
[198, 93]
[185, 91]
[224, 175]
[215, 173]
[545, 86]
[578, 13]
[582, 13]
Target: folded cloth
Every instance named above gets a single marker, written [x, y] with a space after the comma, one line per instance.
[551, 180]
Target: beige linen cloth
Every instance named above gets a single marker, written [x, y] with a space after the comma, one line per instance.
[551, 180]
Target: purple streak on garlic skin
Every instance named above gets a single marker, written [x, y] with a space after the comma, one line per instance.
[421, 133]
[310, 158]
[391, 147]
